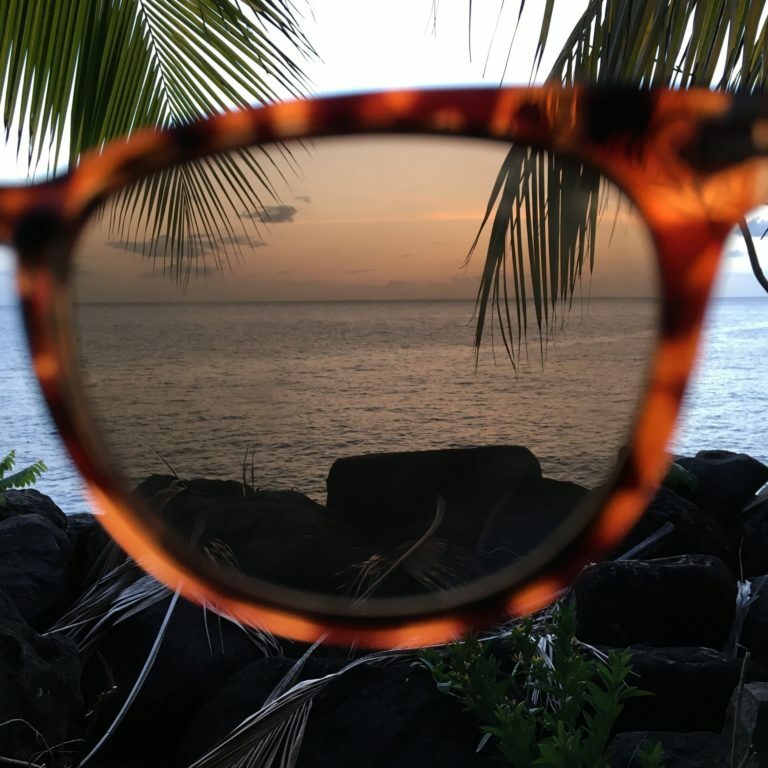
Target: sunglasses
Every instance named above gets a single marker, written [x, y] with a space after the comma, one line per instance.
[449, 331]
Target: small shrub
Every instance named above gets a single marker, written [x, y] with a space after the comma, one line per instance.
[547, 702]
[20, 479]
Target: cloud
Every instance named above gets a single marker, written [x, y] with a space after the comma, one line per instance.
[271, 214]
[735, 247]
[164, 246]
[359, 271]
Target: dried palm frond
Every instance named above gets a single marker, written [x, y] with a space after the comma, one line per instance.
[440, 564]
[409, 551]
[137, 686]
[121, 593]
[272, 736]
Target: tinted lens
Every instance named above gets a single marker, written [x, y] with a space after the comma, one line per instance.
[278, 350]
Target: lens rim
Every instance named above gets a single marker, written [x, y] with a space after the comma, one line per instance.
[687, 244]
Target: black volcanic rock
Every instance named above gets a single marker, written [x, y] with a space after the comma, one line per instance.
[750, 537]
[691, 689]
[392, 497]
[680, 750]
[675, 601]
[726, 481]
[754, 631]
[373, 715]
[34, 562]
[198, 652]
[696, 532]
[39, 684]
[390, 716]
[31, 502]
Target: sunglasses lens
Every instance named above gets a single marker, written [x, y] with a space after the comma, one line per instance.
[277, 348]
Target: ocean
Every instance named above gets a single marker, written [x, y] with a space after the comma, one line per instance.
[287, 388]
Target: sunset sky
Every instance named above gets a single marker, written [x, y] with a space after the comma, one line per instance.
[369, 218]
[373, 46]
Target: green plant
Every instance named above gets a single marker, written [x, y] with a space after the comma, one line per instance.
[649, 755]
[20, 479]
[546, 701]
[680, 480]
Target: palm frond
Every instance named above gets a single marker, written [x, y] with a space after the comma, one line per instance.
[137, 686]
[533, 251]
[124, 592]
[84, 72]
[272, 736]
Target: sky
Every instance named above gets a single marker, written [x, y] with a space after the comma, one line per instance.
[407, 43]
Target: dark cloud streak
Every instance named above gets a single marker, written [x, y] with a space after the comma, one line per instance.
[271, 214]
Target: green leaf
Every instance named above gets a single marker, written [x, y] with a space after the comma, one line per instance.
[83, 72]
[675, 43]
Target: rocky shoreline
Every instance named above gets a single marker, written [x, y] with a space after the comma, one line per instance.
[691, 605]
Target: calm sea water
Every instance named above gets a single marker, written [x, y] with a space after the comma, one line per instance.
[307, 383]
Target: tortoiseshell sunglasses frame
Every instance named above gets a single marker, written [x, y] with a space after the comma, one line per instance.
[690, 161]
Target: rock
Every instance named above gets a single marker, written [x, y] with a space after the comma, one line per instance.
[754, 631]
[680, 750]
[239, 697]
[695, 532]
[750, 538]
[314, 563]
[528, 517]
[675, 601]
[377, 716]
[691, 689]
[746, 726]
[31, 502]
[727, 481]
[34, 559]
[261, 515]
[81, 527]
[185, 674]
[392, 497]
[39, 684]
[386, 716]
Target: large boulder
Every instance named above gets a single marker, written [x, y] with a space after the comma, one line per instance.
[209, 509]
[754, 630]
[746, 725]
[238, 698]
[34, 562]
[377, 716]
[750, 537]
[392, 497]
[277, 536]
[726, 481]
[31, 502]
[526, 518]
[695, 532]
[82, 531]
[691, 689]
[679, 750]
[317, 563]
[675, 601]
[385, 716]
[39, 687]
[198, 652]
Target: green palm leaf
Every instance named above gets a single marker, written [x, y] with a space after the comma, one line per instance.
[675, 43]
[84, 72]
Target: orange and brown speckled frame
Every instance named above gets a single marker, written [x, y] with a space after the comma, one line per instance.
[693, 164]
